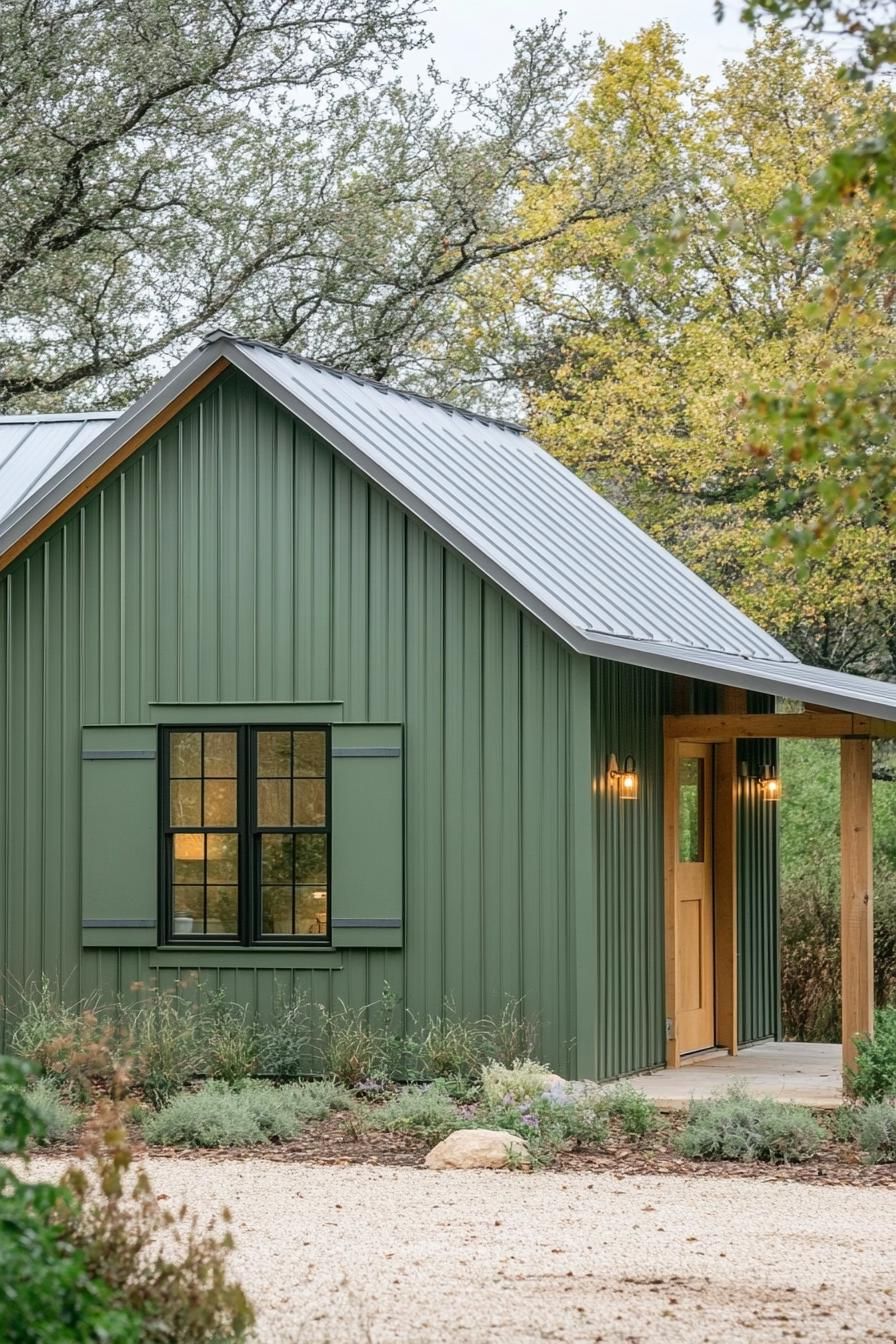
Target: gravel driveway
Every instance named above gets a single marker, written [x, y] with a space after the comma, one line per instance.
[380, 1255]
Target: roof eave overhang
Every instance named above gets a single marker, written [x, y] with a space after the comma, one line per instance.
[202, 365]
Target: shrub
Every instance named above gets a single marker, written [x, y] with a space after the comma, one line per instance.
[550, 1121]
[166, 1045]
[57, 1119]
[47, 1293]
[220, 1115]
[360, 1044]
[229, 1039]
[874, 1078]
[448, 1046]
[523, 1080]
[738, 1127]
[511, 1036]
[181, 1291]
[73, 1044]
[877, 1131]
[283, 1044]
[810, 892]
[426, 1112]
[844, 1123]
[637, 1114]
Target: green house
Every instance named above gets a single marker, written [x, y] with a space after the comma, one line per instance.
[308, 682]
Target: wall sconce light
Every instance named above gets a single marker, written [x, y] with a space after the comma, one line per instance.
[625, 781]
[769, 782]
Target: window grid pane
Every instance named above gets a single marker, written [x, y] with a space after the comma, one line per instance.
[204, 842]
[256, 869]
[291, 834]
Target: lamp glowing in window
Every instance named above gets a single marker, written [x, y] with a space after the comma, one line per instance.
[625, 781]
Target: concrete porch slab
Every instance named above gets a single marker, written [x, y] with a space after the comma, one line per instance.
[785, 1070]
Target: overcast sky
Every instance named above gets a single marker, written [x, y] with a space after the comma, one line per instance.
[473, 37]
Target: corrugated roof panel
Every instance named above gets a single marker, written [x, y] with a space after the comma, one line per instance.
[517, 505]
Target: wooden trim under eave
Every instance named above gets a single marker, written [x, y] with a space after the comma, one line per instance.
[721, 727]
[112, 463]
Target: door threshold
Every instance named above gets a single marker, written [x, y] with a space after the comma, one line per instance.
[698, 1056]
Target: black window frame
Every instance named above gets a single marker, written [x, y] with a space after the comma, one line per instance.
[249, 889]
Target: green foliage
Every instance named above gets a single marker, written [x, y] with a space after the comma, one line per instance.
[359, 1045]
[284, 1043]
[166, 1045]
[182, 1291]
[874, 1078]
[57, 1119]
[844, 1123]
[876, 1131]
[511, 1036]
[549, 1121]
[226, 1116]
[637, 1114]
[75, 1044]
[143, 131]
[810, 890]
[426, 1112]
[229, 1040]
[522, 1080]
[839, 416]
[47, 1293]
[737, 1127]
[448, 1046]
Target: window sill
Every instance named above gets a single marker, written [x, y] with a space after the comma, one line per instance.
[225, 955]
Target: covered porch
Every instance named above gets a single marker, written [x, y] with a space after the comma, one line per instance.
[701, 908]
[809, 1074]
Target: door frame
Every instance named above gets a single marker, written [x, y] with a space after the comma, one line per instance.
[724, 869]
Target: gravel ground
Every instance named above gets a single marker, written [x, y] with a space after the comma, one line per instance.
[385, 1255]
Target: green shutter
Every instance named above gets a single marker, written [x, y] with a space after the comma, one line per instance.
[119, 837]
[367, 835]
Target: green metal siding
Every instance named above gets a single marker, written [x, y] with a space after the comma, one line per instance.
[758, 988]
[237, 559]
[628, 704]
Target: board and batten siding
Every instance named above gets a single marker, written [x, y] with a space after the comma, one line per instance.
[235, 558]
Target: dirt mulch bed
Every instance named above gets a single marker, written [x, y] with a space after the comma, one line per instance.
[334, 1141]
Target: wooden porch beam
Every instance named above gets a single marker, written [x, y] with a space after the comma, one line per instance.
[856, 896]
[722, 727]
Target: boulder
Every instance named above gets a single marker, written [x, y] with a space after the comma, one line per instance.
[468, 1148]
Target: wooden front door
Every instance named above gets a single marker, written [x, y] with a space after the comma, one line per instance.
[694, 898]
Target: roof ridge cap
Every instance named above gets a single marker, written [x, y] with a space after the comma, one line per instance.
[481, 417]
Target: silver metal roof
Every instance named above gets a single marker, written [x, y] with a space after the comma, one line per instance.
[35, 448]
[537, 531]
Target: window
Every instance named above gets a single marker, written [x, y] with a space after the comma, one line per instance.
[246, 814]
[690, 809]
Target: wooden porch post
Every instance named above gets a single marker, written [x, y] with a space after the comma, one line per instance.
[856, 899]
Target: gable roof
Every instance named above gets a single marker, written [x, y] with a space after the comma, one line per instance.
[491, 493]
[36, 448]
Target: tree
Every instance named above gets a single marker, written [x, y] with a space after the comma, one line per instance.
[171, 165]
[638, 339]
[842, 419]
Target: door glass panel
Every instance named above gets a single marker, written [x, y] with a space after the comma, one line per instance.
[690, 809]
